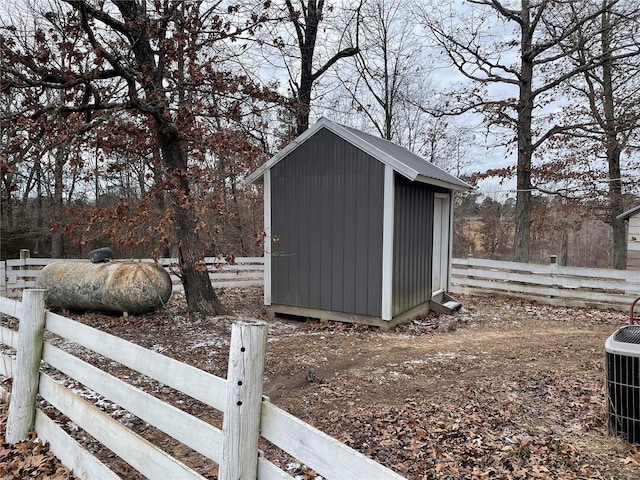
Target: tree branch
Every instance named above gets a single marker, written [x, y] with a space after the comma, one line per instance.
[295, 19]
[345, 52]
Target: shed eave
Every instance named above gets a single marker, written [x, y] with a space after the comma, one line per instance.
[629, 213]
[463, 186]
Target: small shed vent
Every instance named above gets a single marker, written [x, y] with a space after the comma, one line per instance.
[623, 383]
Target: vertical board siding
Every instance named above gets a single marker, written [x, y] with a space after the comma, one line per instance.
[412, 245]
[326, 210]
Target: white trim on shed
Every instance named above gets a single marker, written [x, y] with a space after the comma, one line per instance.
[387, 245]
[267, 237]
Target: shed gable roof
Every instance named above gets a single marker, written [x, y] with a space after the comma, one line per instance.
[629, 213]
[408, 164]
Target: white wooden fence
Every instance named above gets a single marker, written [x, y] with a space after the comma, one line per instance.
[247, 415]
[552, 283]
[20, 273]
[243, 272]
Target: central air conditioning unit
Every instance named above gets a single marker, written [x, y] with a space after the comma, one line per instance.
[623, 383]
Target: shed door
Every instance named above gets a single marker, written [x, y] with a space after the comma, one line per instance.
[440, 244]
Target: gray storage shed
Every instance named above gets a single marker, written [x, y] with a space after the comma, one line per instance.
[358, 229]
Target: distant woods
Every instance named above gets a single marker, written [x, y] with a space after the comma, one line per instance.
[576, 232]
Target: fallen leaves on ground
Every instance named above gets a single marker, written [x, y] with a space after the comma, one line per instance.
[29, 459]
[503, 389]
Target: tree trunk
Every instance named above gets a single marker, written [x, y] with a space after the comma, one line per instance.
[307, 48]
[307, 35]
[198, 290]
[524, 200]
[57, 238]
[236, 204]
[6, 205]
[616, 207]
[613, 149]
[563, 255]
[304, 104]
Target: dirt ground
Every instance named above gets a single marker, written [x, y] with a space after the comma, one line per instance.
[501, 389]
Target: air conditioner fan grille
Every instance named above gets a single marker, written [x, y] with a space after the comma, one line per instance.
[629, 334]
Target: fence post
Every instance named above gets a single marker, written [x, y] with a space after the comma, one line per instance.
[22, 408]
[25, 254]
[241, 423]
[553, 261]
[467, 267]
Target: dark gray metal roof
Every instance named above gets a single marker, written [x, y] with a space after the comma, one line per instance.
[406, 163]
[415, 162]
[629, 213]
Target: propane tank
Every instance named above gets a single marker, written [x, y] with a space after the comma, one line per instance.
[133, 287]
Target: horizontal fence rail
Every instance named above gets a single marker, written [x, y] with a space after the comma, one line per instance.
[21, 273]
[247, 415]
[552, 283]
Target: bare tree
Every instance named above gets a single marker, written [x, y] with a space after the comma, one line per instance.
[513, 78]
[388, 88]
[607, 99]
[305, 39]
[387, 65]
